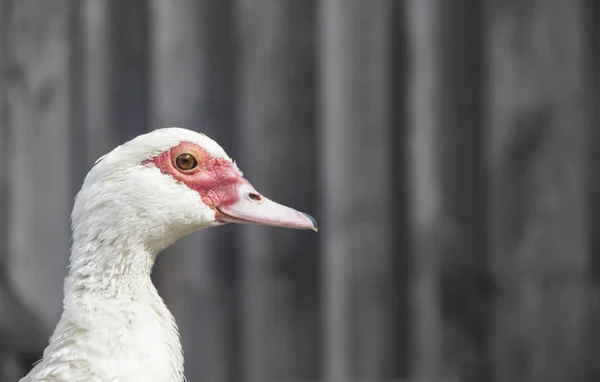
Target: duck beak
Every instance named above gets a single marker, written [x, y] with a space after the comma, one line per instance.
[252, 208]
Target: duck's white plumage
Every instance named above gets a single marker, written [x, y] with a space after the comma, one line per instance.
[115, 326]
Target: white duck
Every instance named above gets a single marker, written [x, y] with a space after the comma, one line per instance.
[136, 201]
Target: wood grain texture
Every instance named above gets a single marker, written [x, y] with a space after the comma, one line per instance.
[428, 223]
[465, 281]
[277, 148]
[36, 103]
[21, 334]
[97, 125]
[356, 149]
[592, 75]
[538, 128]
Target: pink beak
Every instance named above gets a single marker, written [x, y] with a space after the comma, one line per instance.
[252, 208]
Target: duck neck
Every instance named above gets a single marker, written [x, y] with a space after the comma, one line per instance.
[110, 301]
[114, 323]
[108, 269]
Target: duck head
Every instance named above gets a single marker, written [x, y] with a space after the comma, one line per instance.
[168, 183]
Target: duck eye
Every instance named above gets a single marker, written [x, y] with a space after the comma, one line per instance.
[186, 162]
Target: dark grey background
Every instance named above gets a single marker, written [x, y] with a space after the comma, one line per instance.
[447, 149]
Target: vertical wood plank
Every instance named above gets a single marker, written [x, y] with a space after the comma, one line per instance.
[425, 182]
[192, 88]
[21, 334]
[356, 152]
[538, 130]
[4, 176]
[11, 369]
[465, 282]
[130, 66]
[93, 130]
[277, 145]
[98, 124]
[592, 25]
[110, 98]
[36, 103]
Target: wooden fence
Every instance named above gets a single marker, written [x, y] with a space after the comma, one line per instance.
[447, 148]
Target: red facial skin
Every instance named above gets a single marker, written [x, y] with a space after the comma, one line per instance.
[215, 179]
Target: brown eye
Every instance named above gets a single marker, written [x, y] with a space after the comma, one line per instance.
[186, 162]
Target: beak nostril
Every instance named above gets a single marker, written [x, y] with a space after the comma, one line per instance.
[254, 196]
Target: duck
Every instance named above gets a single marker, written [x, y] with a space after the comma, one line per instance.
[136, 201]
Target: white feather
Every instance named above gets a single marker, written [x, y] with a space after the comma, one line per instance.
[115, 326]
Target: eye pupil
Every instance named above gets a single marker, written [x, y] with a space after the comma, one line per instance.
[186, 162]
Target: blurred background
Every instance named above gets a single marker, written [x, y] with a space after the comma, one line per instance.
[447, 149]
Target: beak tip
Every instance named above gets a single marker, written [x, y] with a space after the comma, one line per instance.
[315, 226]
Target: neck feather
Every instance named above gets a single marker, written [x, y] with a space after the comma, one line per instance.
[109, 267]
[114, 321]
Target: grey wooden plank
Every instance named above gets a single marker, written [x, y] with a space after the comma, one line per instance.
[3, 149]
[276, 139]
[192, 88]
[110, 96]
[93, 129]
[11, 368]
[129, 38]
[356, 166]
[36, 103]
[98, 124]
[427, 220]
[538, 131]
[593, 75]
[21, 334]
[402, 337]
[465, 288]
